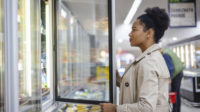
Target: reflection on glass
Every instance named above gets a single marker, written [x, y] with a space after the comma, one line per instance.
[82, 50]
[29, 55]
[182, 54]
[187, 64]
[178, 51]
[1, 59]
[174, 50]
[192, 55]
[45, 74]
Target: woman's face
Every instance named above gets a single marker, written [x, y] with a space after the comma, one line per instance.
[137, 35]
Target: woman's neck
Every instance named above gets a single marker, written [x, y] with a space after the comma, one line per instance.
[146, 46]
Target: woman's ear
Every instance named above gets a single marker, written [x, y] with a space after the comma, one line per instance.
[150, 33]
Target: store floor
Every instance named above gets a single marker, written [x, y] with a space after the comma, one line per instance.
[185, 107]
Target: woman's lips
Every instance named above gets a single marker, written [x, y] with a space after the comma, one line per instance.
[130, 39]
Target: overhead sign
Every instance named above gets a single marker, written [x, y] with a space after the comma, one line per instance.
[182, 13]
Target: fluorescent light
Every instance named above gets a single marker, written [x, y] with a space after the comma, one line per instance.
[178, 51]
[174, 39]
[192, 51]
[48, 46]
[187, 56]
[28, 48]
[132, 11]
[182, 54]
[63, 13]
[71, 20]
[174, 50]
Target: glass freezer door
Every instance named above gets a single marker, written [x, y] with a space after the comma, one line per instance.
[29, 49]
[83, 52]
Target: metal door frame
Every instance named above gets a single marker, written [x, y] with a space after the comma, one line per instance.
[112, 62]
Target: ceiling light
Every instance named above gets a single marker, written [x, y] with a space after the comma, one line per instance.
[174, 39]
[71, 20]
[132, 11]
[63, 13]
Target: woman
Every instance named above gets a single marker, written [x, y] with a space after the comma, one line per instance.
[144, 85]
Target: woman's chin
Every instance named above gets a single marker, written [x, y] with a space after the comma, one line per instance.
[132, 45]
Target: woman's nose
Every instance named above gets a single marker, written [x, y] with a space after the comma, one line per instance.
[130, 34]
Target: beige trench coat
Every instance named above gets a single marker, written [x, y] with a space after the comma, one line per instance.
[144, 85]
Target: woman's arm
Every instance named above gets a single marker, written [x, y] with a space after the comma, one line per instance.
[108, 107]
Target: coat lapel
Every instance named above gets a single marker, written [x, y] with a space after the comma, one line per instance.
[151, 49]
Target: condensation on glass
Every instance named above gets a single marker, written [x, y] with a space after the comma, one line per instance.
[29, 41]
[2, 72]
[82, 50]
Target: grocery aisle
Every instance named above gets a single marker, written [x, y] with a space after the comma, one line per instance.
[185, 107]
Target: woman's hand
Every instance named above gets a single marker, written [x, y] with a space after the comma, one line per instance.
[118, 77]
[108, 107]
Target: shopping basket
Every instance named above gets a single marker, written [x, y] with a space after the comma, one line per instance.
[172, 100]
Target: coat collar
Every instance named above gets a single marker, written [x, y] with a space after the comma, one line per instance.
[148, 51]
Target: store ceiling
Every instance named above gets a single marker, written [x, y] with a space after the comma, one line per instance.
[83, 10]
[122, 30]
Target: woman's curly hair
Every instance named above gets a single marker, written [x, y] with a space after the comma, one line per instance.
[157, 19]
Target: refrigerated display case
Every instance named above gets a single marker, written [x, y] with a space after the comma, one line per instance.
[47, 66]
[190, 50]
[46, 53]
[192, 56]
[69, 107]
[187, 55]
[182, 54]
[44, 75]
[2, 94]
[83, 51]
[190, 86]
[29, 55]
